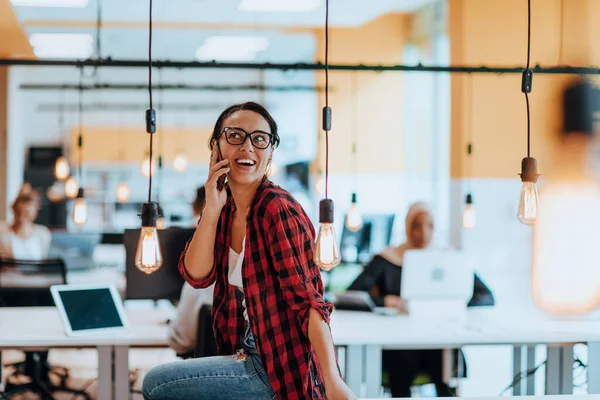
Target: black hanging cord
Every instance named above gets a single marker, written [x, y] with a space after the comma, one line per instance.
[61, 110]
[150, 114]
[528, 33]
[80, 135]
[328, 123]
[354, 128]
[99, 29]
[562, 32]
[528, 78]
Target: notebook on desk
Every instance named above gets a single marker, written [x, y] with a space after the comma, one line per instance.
[86, 309]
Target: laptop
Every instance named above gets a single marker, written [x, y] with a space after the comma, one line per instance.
[355, 300]
[437, 275]
[89, 308]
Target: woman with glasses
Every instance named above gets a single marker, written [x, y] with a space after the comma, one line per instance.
[255, 243]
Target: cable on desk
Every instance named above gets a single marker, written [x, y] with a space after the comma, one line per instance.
[522, 375]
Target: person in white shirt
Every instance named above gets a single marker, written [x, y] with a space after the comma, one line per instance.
[23, 239]
[183, 329]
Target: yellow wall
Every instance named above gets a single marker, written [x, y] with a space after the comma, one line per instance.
[495, 33]
[111, 143]
[14, 42]
[378, 97]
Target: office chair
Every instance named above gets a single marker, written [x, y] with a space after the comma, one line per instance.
[206, 346]
[26, 283]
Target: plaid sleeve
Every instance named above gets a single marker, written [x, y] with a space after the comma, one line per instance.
[291, 240]
[195, 283]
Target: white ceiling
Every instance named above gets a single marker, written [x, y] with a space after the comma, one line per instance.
[296, 111]
[342, 12]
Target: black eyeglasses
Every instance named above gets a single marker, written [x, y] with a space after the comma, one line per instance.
[237, 137]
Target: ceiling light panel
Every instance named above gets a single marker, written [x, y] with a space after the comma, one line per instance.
[232, 48]
[62, 45]
[50, 3]
[279, 5]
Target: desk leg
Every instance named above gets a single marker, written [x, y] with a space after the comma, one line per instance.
[121, 371]
[373, 369]
[1, 376]
[517, 352]
[354, 368]
[105, 373]
[593, 371]
[559, 370]
[530, 388]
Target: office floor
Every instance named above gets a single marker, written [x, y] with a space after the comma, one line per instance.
[82, 367]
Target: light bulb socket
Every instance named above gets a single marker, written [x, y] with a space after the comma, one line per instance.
[529, 170]
[326, 211]
[326, 118]
[149, 214]
[469, 199]
[527, 80]
[160, 211]
[150, 120]
[80, 193]
[354, 198]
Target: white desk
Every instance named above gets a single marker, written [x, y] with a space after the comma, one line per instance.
[364, 335]
[571, 397]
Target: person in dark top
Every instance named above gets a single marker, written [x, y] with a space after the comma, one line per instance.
[382, 279]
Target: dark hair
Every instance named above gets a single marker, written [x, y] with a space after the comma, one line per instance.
[198, 203]
[27, 195]
[249, 106]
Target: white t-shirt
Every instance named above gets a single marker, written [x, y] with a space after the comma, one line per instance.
[35, 247]
[235, 273]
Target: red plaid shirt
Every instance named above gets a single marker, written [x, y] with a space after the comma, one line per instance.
[281, 285]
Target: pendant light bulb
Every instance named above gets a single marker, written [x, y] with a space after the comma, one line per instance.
[145, 167]
[61, 168]
[71, 187]
[565, 273]
[80, 209]
[327, 252]
[180, 163]
[354, 221]
[148, 257]
[529, 201]
[469, 216]
[123, 193]
[55, 193]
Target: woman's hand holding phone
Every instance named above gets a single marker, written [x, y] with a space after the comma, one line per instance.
[216, 196]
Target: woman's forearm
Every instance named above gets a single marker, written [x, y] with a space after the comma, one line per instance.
[320, 338]
[199, 259]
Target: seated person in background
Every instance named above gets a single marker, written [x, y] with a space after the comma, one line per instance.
[23, 239]
[183, 330]
[382, 277]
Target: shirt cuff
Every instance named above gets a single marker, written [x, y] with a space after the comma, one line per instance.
[324, 308]
[195, 283]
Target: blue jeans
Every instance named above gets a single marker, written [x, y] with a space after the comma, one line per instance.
[240, 376]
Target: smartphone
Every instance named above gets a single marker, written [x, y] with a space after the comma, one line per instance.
[221, 180]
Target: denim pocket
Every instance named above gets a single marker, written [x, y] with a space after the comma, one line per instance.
[260, 371]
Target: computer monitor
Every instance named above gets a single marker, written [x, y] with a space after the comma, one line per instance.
[373, 237]
[166, 283]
